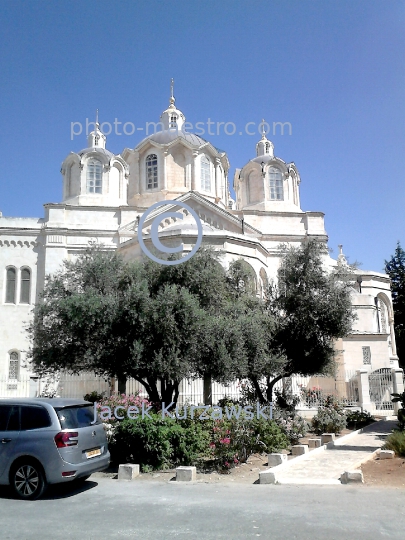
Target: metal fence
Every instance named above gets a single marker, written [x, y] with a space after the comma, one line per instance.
[192, 391]
[313, 391]
[381, 386]
[76, 386]
[23, 387]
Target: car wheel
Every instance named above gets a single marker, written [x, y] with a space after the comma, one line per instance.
[28, 480]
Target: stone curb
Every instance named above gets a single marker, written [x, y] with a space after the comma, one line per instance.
[322, 448]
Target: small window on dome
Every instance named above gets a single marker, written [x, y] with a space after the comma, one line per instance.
[173, 121]
[151, 172]
[267, 147]
[205, 174]
[94, 176]
[276, 185]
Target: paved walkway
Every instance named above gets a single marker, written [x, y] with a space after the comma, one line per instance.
[326, 466]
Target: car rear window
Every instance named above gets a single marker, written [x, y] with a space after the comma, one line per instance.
[76, 417]
[9, 418]
[34, 418]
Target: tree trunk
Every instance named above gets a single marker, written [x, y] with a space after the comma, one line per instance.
[259, 393]
[270, 386]
[207, 389]
[122, 386]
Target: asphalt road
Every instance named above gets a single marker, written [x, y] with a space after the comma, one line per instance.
[106, 508]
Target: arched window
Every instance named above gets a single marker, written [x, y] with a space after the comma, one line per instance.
[11, 286]
[276, 184]
[205, 174]
[25, 286]
[173, 121]
[94, 176]
[14, 366]
[151, 172]
[267, 147]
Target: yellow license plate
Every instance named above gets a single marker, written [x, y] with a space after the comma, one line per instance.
[93, 453]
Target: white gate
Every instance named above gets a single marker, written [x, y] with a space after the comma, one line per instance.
[381, 387]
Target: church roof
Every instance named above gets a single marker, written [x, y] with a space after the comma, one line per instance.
[168, 135]
[98, 150]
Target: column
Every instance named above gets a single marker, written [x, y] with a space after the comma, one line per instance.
[217, 179]
[364, 390]
[398, 385]
[194, 171]
[164, 169]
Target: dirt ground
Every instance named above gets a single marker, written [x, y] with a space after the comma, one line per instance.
[377, 473]
[384, 472]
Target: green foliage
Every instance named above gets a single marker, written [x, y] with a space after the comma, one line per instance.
[401, 419]
[159, 443]
[286, 401]
[395, 268]
[313, 309]
[160, 324]
[157, 324]
[331, 417]
[396, 442]
[93, 396]
[308, 309]
[357, 419]
[291, 424]
[399, 398]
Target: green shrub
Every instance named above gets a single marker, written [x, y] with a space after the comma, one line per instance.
[93, 396]
[396, 442]
[291, 424]
[158, 443]
[357, 419]
[331, 417]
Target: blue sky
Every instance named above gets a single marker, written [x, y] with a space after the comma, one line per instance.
[333, 69]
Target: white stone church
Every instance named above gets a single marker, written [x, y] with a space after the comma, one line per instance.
[104, 196]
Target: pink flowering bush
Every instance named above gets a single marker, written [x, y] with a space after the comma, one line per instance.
[233, 441]
[118, 400]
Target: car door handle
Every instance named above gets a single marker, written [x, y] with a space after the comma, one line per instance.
[4, 441]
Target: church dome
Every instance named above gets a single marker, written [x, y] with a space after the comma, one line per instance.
[169, 135]
[172, 162]
[267, 182]
[95, 176]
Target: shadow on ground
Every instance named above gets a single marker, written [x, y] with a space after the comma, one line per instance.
[55, 491]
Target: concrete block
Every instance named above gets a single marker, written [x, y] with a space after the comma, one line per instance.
[186, 474]
[327, 437]
[314, 443]
[267, 477]
[299, 449]
[387, 454]
[349, 477]
[276, 459]
[129, 471]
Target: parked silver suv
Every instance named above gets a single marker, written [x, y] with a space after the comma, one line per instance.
[48, 441]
